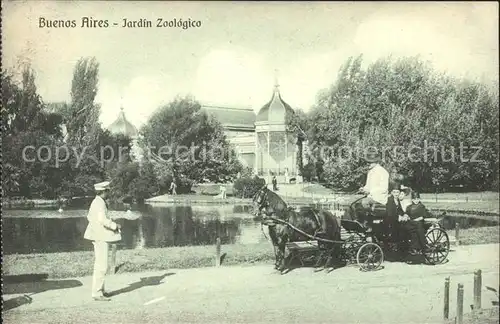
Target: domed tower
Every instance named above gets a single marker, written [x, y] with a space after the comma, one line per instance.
[275, 149]
[122, 126]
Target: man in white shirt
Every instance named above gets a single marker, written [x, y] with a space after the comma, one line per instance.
[101, 230]
[376, 187]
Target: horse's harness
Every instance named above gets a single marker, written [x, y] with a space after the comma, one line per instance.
[263, 202]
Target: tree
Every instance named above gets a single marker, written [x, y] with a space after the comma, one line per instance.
[403, 103]
[190, 142]
[27, 127]
[297, 124]
[22, 107]
[83, 126]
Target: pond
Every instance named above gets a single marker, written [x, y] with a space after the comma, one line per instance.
[48, 231]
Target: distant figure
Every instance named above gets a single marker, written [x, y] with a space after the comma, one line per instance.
[275, 184]
[173, 188]
[101, 230]
[286, 175]
[223, 191]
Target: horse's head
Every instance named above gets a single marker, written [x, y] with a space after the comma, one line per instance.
[268, 203]
[259, 200]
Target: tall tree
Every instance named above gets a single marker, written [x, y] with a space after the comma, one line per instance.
[297, 124]
[83, 126]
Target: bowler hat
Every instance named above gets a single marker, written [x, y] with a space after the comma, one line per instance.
[395, 185]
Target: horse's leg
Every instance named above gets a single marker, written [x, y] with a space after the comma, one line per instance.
[321, 255]
[334, 249]
[280, 265]
[281, 251]
[276, 257]
[274, 241]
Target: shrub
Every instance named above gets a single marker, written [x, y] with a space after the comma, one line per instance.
[247, 187]
[184, 185]
[309, 172]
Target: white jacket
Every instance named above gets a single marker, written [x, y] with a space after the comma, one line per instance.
[377, 184]
[101, 227]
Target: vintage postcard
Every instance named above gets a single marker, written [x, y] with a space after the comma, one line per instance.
[250, 162]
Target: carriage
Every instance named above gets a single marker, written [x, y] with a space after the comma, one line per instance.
[367, 247]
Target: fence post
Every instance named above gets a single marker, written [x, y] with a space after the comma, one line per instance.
[217, 252]
[477, 290]
[460, 304]
[447, 298]
[457, 234]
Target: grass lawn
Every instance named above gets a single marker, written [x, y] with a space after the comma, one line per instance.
[315, 188]
[478, 235]
[483, 316]
[483, 207]
[77, 264]
[480, 202]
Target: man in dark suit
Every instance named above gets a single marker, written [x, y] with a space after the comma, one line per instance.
[393, 212]
[275, 183]
[414, 226]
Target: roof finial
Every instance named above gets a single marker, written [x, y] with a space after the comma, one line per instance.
[276, 84]
[121, 103]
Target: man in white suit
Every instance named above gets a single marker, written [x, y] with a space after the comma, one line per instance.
[377, 185]
[101, 230]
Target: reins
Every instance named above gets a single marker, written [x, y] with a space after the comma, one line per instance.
[302, 232]
[283, 222]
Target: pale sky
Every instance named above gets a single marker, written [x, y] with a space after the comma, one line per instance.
[231, 59]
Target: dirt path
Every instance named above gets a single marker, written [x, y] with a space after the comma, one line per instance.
[399, 293]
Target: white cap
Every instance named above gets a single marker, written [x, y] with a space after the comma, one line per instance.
[101, 186]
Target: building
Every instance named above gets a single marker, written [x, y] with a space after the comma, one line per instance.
[122, 126]
[262, 140]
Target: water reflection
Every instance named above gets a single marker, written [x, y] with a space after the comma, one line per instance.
[46, 231]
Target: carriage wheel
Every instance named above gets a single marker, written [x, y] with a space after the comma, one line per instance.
[438, 245]
[370, 256]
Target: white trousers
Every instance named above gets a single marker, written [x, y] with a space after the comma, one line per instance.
[100, 267]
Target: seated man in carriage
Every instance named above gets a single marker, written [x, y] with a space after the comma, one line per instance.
[393, 213]
[413, 223]
[376, 187]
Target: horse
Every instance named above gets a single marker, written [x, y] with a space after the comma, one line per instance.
[288, 224]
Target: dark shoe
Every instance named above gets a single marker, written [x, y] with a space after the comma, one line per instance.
[107, 295]
[102, 298]
[319, 262]
[415, 252]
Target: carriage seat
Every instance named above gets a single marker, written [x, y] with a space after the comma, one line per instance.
[353, 226]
